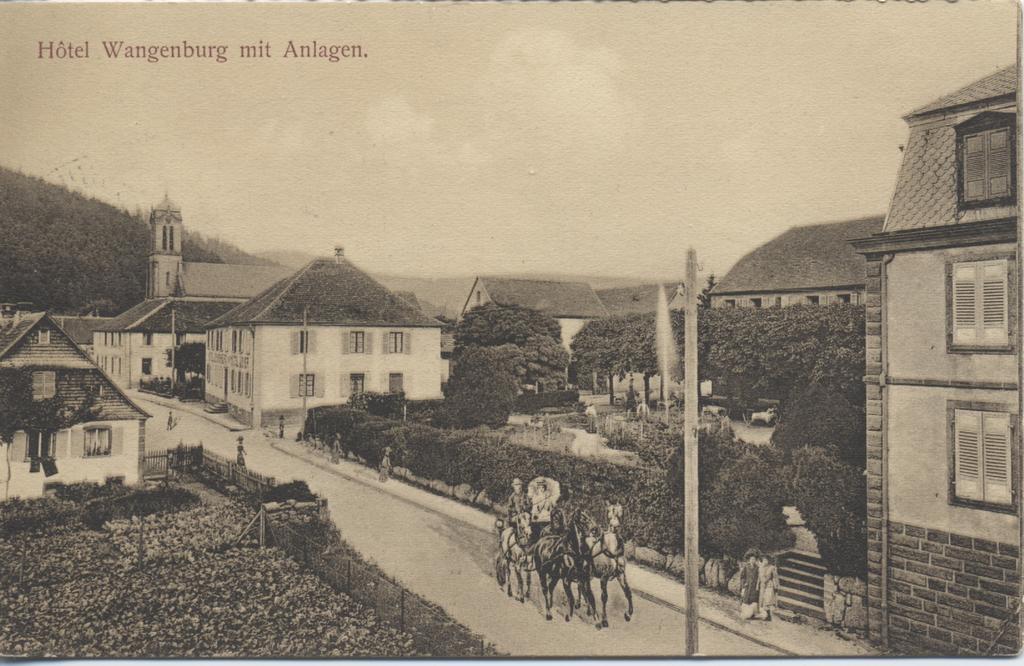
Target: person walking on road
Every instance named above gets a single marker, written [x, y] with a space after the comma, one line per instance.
[171, 422]
[385, 465]
[749, 585]
[768, 582]
[240, 458]
[280, 427]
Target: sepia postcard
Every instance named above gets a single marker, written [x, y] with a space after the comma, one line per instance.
[490, 330]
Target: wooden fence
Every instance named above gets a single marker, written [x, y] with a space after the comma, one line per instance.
[161, 464]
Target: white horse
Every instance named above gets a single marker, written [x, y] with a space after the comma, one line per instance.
[767, 417]
[514, 544]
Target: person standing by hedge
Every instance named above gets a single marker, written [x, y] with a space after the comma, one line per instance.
[768, 582]
[240, 458]
[385, 465]
[749, 585]
[631, 398]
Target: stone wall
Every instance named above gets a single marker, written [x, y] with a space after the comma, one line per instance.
[845, 601]
[873, 408]
[950, 594]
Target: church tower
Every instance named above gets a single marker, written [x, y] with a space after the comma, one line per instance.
[165, 250]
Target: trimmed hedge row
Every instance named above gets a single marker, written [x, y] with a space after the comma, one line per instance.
[528, 403]
[652, 496]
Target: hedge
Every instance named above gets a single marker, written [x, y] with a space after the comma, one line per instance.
[138, 503]
[530, 403]
[652, 495]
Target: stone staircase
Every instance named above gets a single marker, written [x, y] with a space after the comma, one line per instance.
[802, 583]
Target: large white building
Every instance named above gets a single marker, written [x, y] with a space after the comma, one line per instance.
[316, 338]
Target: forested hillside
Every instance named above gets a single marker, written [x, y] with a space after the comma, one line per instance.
[69, 253]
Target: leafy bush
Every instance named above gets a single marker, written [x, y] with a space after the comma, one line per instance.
[138, 503]
[481, 390]
[297, 490]
[820, 418]
[42, 513]
[86, 491]
[832, 499]
[529, 403]
[422, 411]
[386, 405]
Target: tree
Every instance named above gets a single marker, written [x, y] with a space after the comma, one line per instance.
[189, 359]
[482, 388]
[538, 355]
[704, 298]
[823, 419]
[619, 345]
[19, 411]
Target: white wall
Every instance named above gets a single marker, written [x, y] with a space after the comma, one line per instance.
[131, 350]
[72, 467]
[768, 300]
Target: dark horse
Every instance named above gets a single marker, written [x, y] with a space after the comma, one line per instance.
[575, 534]
[553, 561]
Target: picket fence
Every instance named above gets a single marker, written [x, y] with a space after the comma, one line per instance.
[162, 464]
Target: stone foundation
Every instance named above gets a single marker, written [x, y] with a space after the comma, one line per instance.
[951, 594]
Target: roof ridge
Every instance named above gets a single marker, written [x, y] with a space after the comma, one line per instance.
[284, 290]
[39, 317]
[939, 103]
[163, 301]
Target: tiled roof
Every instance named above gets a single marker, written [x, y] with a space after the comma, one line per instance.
[575, 300]
[12, 331]
[1003, 82]
[641, 298]
[80, 329]
[228, 280]
[189, 316]
[127, 319]
[331, 292]
[816, 256]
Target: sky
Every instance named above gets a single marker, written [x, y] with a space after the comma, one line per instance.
[598, 139]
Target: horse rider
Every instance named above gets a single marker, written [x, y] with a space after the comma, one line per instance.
[518, 502]
[540, 512]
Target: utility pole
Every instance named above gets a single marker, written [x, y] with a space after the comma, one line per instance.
[690, 524]
[304, 341]
[174, 344]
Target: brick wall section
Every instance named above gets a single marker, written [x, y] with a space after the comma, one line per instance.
[873, 407]
[950, 594]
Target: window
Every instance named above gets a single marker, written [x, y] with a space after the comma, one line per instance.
[813, 299]
[778, 301]
[357, 342]
[730, 302]
[234, 341]
[41, 444]
[842, 298]
[478, 297]
[170, 236]
[985, 163]
[307, 385]
[396, 342]
[982, 469]
[147, 339]
[232, 381]
[167, 278]
[304, 347]
[755, 302]
[44, 384]
[978, 305]
[147, 366]
[97, 442]
[164, 229]
[43, 337]
[395, 382]
[357, 382]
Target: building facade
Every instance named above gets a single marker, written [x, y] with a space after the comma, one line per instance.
[110, 445]
[943, 442]
[807, 265]
[316, 338]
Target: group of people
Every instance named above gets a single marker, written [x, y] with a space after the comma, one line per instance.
[539, 506]
[759, 584]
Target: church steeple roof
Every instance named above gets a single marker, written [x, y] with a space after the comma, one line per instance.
[167, 205]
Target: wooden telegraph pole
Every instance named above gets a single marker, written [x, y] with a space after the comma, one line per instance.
[690, 524]
[174, 344]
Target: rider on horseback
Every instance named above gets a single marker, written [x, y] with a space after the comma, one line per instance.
[518, 502]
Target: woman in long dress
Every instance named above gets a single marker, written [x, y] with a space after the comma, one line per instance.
[768, 581]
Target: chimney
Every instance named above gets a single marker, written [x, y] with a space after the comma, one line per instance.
[11, 313]
[339, 253]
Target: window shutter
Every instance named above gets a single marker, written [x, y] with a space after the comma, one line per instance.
[999, 163]
[37, 385]
[295, 342]
[967, 425]
[293, 389]
[117, 441]
[965, 305]
[78, 443]
[346, 342]
[994, 302]
[974, 166]
[996, 454]
[311, 341]
[63, 449]
[385, 347]
[19, 447]
[50, 383]
[407, 342]
[318, 386]
[368, 342]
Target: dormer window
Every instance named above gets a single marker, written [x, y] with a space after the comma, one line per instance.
[985, 158]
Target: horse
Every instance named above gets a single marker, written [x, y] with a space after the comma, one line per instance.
[583, 571]
[513, 542]
[608, 560]
[553, 562]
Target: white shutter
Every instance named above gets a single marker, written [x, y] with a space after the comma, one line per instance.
[295, 342]
[996, 454]
[967, 427]
[37, 386]
[293, 386]
[346, 342]
[407, 342]
[311, 342]
[385, 347]
[994, 303]
[318, 386]
[368, 342]
[965, 303]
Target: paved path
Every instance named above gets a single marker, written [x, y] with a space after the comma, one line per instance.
[443, 550]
